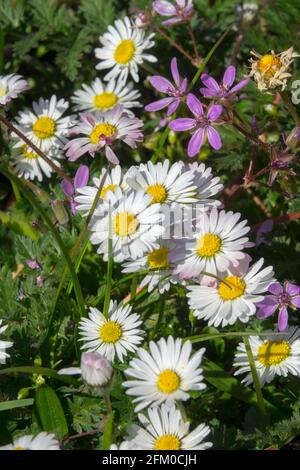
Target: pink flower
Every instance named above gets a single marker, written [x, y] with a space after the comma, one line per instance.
[225, 89]
[69, 188]
[182, 11]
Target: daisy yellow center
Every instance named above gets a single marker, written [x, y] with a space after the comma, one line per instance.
[105, 100]
[44, 127]
[168, 381]
[109, 187]
[18, 448]
[231, 288]
[2, 90]
[110, 332]
[268, 65]
[103, 129]
[158, 193]
[124, 52]
[271, 353]
[208, 245]
[26, 153]
[167, 442]
[125, 224]
[158, 259]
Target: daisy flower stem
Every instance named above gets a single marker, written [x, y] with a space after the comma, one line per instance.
[259, 395]
[174, 44]
[160, 316]
[109, 270]
[133, 288]
[106, 397]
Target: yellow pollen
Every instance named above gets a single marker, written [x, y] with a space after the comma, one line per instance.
[158, 193]
[167, 442]
[44, 127]
[231, 288]
[124, 52]
[269, 64]
[109, 187]
[103, 129]
[27, 153]
[105, 100]
[158, 259]
[208, 245]
[271, 353]
[125, 224]
[110, 332]
[2, 91]
[18, 448]
[168, 381]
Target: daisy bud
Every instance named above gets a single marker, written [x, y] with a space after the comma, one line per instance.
[96, 370]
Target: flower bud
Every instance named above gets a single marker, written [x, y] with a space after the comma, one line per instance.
[96, 370]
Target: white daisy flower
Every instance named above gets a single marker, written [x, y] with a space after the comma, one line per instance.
[135, 225]
[165, 374]
[207, 185]
[30, 165]
[123, 50]
[273, 355]
[4, 345]
[160, 261]
[43, 441]
[11, 86]
[232, 298]
[44, 124]
[102, 97]
[101, 130]
[164, 429]
[163, 183]
[218, 243]
[115, 335]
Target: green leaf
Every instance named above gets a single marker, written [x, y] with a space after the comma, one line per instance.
[9, 405]
[49, 412]
[107, 433]
[39, 370]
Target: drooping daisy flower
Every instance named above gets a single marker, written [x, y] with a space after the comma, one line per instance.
[4, 345]
[182, 11]
[165, 374]
[95, 369]
[135, 225]
[270, 71]
[164, 429]
[207, 185]
[102, 97]
[219, 242]
[273, 355]
[233, 298]
[11, 86]
[115, 335]
[225, 90]
[101, 130]
[164, 183]
[44, 124]
[43, 441]
[202, 125]
[123, 50]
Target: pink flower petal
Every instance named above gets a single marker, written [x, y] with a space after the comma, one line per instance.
[173, 106]
[229, 76]
[67, 187]
[239, 86]
[276, 288]
[174, 70]
[292, 289]
[182, 124]
[210, 82]
[214, 112]
[194, 105]
[164, 8]
[159, 104]
[213, 138]
[196, 142]
[81, 176]
[161, 84]
[282, 319]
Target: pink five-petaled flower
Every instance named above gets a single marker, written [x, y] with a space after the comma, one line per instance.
[69, 188]
[182, 11]
[175, 92]
[281, 298]
[225, 89]
[201, 125]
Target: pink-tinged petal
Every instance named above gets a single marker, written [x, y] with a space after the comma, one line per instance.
[182, 124]
[292, 289]
[214, 138]
[276, 288]
[111, 156]
[208, 92]
[67, 187]
[194, 105]
[173, 106]
[266, 307]
[73, 206]
[158, 105]
[81, 177]
[229, 76]
[175, 72]
[196, 142]
[296, 301]
[161, 84]
[282, 319]
[210, 82]
[164, 8]
[214, 112]
[171, 21]
[184, 85]
[239, 86]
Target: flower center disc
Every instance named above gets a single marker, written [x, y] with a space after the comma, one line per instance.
[231, 288]
[105, 100]
[168, 381]
[104, 129]
[158, 259]
[26, 153]
[44, 127]
[268, 65]
[110, 332]
[109, 187]
[2, 90]
[125, 224]
[271, 353]
[124, 52]
[167, 442]
[158, 193]
[208, 245]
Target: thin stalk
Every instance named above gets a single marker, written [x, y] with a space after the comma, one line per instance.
[229, 334]
[174, 44]
[160, 316]
[133, 287]
[109, 268]
[194, 42]
[256, 382]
